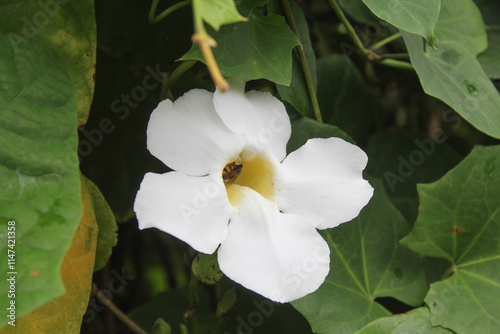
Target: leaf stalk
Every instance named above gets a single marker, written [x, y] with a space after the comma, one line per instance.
[303, 63]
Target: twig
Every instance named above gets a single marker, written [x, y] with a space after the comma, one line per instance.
[385, 41]
[119, 314]
[155, 19]
[368, 54]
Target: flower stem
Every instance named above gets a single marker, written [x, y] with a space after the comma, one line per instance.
[395, 56]
[193, 302]
[169, 81]
[155, 19]
[385, 41]
[368, 54]
[303, 63]
[402, 65]
[349, 28]
[206, 43]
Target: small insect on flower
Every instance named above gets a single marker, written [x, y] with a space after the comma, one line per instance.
[231, 172]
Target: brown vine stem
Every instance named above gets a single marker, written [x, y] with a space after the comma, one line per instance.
[206, 43]
[116, 311]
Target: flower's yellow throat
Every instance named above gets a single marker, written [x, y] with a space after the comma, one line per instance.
[256, 173]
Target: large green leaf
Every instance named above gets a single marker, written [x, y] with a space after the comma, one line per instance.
[403, 159]
[418, 17]
[305, 128]
[415, 321]
[453, 75]
[357, 10]
[68, 27]
[38, 170]
[217, 12]
[367, 262]
[489, 59]
[343, 97]
[461, 21]
[460, 221]
[258, 49]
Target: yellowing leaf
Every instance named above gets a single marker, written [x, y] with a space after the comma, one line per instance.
[64, 314]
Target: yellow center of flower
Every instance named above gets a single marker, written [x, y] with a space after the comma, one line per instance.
[256, 173]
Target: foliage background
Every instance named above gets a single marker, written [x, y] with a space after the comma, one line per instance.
[80, 79]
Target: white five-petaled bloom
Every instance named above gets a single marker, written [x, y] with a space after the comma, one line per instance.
[232, 188]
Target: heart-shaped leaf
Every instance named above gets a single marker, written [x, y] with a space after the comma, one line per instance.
[367, 262]
[418, 17]
[258, 49]
[415, 321]
[453, 75]
[460, 221]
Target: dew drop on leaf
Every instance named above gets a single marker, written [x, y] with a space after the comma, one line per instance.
[399, 273]
[489, 167]
[471, 88]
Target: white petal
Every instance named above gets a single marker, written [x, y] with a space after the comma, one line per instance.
[193, 209]
[279, 256]
[259, 116]
[323, 182]
[189, 137]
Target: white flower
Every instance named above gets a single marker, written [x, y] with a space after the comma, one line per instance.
[264, 217]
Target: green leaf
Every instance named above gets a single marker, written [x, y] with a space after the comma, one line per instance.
[454, 76]
[297, 93]
[217, 12]
[460, 221]
[38, 170]
[415, 321]
[489, 59]
[343, 97]
[160, 326]
[367, 262]
[418, 17]
[249, 5]
[107, 237]
[305, 128]
[357, 10]
[403, 159]
[258, 49]
[461, 21]
[206, 268]
[64, 314]
[68, 27]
